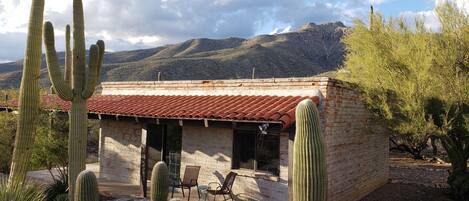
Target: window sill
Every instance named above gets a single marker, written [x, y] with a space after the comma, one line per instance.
[256, 175]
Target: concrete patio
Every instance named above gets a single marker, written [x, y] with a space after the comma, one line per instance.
[115, 190]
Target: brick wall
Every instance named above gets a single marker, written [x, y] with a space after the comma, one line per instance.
[211, 148]
[119, 158]
[357, 147]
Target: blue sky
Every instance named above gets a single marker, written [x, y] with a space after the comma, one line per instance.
[396, 7]
[135, 24]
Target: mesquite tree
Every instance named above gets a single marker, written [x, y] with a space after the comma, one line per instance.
[417, 80]
[83, 83]
[29, 96]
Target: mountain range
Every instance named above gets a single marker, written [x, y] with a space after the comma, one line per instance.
[308, 51]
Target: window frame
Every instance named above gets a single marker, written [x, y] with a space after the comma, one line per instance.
[237, 158]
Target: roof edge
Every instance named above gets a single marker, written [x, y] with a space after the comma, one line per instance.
[292, 81]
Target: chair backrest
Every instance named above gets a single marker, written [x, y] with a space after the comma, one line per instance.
[228, 183]
[191, 175]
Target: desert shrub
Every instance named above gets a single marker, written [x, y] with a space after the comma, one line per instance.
[25, 192]
[61, 197]
[57, 190]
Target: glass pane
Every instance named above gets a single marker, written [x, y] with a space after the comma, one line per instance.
[246, 143]
[268, 153]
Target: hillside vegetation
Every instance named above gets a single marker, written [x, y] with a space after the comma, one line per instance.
[311, 50]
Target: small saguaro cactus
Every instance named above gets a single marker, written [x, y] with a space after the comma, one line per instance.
[83, 82]
[29, 96]
[309, 160]
[159, 182]
[86, 187]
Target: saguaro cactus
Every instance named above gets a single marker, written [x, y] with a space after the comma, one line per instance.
[29, 96]
[309, 160]
[159, 182]
[86, 187]
[83, 83]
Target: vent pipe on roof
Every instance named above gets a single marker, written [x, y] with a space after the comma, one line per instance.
[253, 76]
[159, 76]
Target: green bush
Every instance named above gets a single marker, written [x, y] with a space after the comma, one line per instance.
[7, 140]
[50, 149]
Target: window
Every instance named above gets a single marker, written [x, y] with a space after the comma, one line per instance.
[259, 152]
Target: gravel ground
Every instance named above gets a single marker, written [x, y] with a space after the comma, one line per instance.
[413, 180]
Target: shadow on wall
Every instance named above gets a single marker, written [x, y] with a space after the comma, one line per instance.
[120, 160]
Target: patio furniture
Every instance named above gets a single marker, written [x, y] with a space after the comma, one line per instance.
[191, 175]
[203, 192]
[224, 189]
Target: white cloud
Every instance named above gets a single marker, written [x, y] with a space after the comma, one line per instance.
[429, 17]
[144, 40]
[464, 4]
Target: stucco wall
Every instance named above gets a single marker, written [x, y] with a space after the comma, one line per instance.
[246, 87]
[119, 158]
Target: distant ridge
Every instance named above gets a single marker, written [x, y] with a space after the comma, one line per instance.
[310, 50]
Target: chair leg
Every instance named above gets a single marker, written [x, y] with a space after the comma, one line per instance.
[214, 196]
[231, 196]
[198, 192]
[224, 198]
[172, 193]
[189, 197]
[182, 189]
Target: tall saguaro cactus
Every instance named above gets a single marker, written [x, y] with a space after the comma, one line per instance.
[309, 160]
[83, 83]
[29, 96]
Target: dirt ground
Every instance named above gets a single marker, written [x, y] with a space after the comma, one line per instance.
[413, 180]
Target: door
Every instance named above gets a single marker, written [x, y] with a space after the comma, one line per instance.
[156, 145]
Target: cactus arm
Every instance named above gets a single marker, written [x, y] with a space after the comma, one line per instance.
[29, 96]
[68, 57]
[61, 88]
[79, 49]
[102, 47]
[92, 75]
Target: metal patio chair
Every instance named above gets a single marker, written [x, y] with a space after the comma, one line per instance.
[224, 189]
[191, 175]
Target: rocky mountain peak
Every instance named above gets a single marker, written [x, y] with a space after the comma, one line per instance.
[327, 26]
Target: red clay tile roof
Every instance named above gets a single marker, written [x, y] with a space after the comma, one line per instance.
[279, 109]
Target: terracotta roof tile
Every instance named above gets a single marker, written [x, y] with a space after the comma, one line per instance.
[279, 109]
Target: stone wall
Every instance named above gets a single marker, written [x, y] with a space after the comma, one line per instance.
[119, 158]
